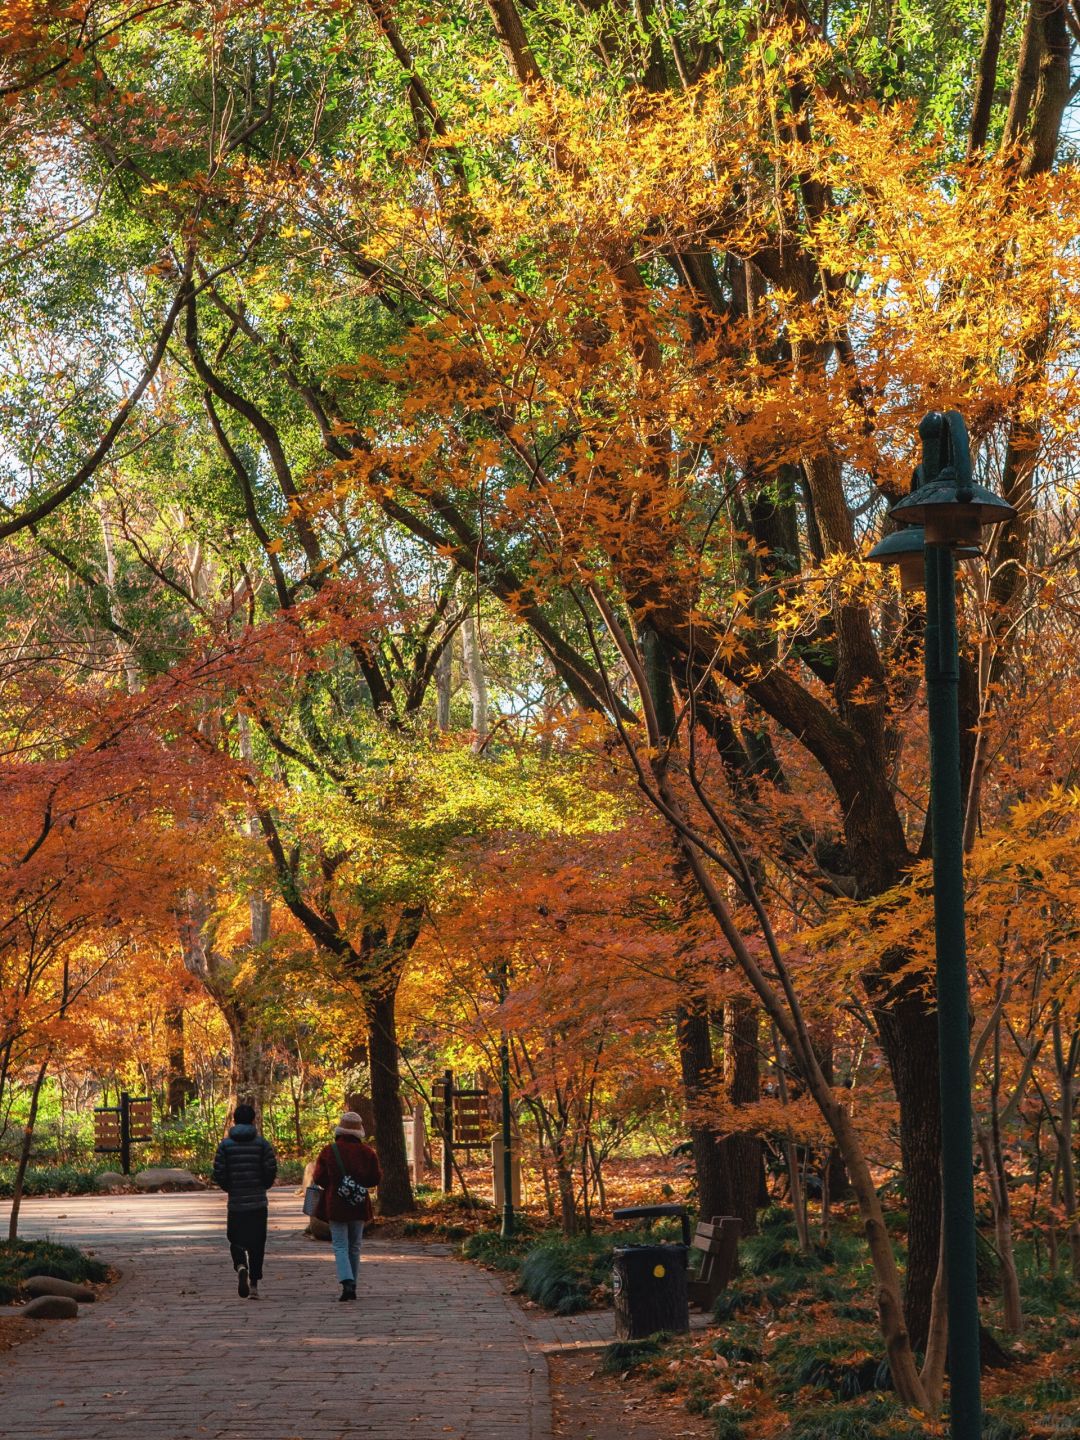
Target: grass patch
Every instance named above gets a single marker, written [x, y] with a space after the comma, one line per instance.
[879, 1418]
[727, 1427]
[49, 1180]
[623, 1355]
[731, 1347]
[489, 1248]
[1048, 1296]
[550, 1276]
[22, 1259]
[848, 1364]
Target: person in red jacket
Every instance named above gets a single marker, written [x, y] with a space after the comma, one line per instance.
[347, 1171]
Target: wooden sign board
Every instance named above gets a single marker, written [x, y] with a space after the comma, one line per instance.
[141, 1119]
[106, 1130]
[472, 1120]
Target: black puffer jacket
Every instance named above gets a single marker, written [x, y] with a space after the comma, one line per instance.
[245, 1166]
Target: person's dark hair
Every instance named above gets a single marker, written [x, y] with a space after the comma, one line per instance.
[244, 1114]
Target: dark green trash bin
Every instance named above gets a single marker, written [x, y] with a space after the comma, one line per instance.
[650, 1291]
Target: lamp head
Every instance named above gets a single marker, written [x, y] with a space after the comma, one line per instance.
[904, 549]
[951, 508]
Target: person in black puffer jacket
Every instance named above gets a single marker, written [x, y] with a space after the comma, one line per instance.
[245, 1167]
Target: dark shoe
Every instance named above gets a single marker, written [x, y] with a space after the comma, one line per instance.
[254, 1290]
[352, 1291]
[243, 1289]
[348, 1290]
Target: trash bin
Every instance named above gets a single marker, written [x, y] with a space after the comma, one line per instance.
[649, 1281]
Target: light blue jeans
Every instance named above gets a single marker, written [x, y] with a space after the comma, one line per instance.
[345, 1236]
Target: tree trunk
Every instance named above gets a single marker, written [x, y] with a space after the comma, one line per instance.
[796, 1190]
[179, 1088]
[395, 1192]
[742, 1153]
[999, 1188]
[564, 1177]
[24, 1152]
[474, 670]
[1013, 1314]
[248, 1075]
[696, 1061]
[444, 687]
[909, 1037]
[1066, 1062]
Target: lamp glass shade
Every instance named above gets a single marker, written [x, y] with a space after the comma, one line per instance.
[912, 573]
[905, 549]
[950, 515]
[957, 524]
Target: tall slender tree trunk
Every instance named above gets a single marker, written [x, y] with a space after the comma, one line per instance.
[24, 1152]
[249, 1079]
[1067, 1065]
[742, 1152]
[395, 1192]
[908, 1031]
[444, 687]
[474, 671]
[179, 1087]
[564, 1178]
[696, 1062]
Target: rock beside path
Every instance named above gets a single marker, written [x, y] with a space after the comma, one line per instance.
[53, 1285]
[51, 1307]
[161, 1177]
[110, 1180]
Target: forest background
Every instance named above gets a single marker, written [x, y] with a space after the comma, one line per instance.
[439, 446]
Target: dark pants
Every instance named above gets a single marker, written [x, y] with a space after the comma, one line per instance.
[247, 1240]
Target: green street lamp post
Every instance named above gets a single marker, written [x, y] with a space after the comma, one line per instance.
[947, 512]
[507, 1129]
[507, 1154]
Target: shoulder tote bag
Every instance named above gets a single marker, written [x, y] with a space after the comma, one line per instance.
[349, 1188]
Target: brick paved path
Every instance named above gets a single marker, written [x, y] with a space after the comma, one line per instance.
[434, 1350]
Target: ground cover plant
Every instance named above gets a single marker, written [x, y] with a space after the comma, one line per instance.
[22, 1259]
[795, 1352]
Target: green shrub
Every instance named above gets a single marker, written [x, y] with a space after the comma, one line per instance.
[1047, 1296]
[777, 1217]
[880, 1419]
[831, 1425]
[779, 1291]
[548, 1278]
[864, 1314]
[49, 1180]
[1050, 1391]
[1000, 1429]
[727, 1426]
[732, 1348]
[735, 1299]
[776, 1249]
[563, 1273]
[825, 1363]
[20, 1259]
[622, 1355]
[489, 1248]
